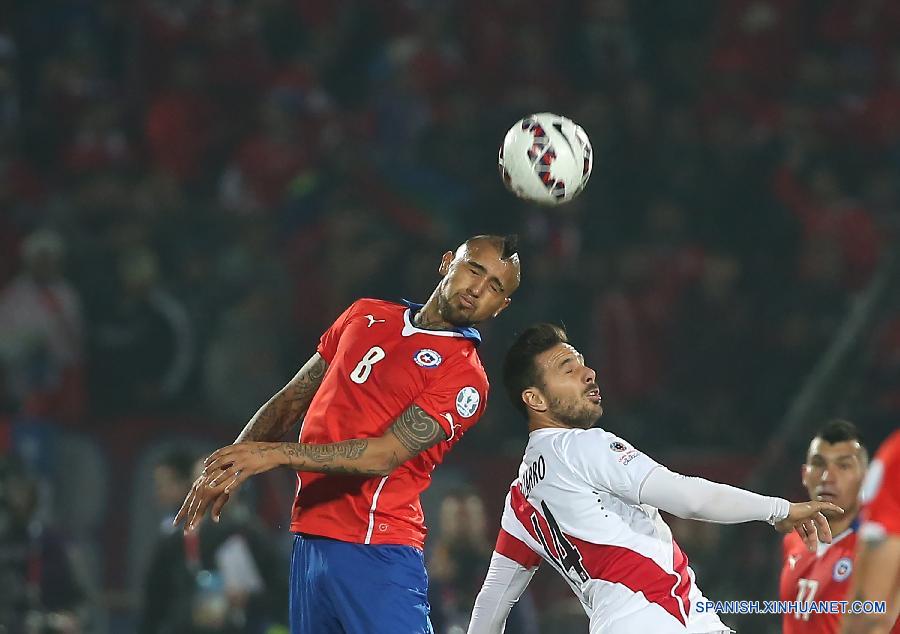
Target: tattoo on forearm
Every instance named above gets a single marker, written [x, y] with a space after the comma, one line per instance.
[349, 449]
[417, 431]
[414, 429]
[333, 457]
[277, 416]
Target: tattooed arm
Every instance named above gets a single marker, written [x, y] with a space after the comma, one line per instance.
[413, 432]
[282, 411]
[271, 422]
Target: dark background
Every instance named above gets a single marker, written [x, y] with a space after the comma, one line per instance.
[192, 190]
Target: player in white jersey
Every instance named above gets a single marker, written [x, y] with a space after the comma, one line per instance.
[588, 503]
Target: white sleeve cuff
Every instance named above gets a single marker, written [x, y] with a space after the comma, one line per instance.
[781, 508]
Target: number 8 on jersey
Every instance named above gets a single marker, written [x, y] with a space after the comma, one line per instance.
[363, 369]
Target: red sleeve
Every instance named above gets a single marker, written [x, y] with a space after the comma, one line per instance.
[456, 398]
[329, 340]
[785, 548]
[791, 547]
[517, 550]
[881, 491]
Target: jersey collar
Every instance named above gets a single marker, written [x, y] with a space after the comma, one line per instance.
[854, 526]
[468, 332]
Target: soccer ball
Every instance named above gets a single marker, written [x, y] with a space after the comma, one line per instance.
[545, 158]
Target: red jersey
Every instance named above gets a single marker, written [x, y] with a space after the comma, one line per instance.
[820, 576]
[880, 493]
[880, 496]
[378, 365]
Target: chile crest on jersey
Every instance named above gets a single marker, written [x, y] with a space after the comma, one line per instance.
[427, 358]
[842, 569]
[391, 362]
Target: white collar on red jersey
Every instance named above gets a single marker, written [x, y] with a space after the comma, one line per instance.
[409, 329]
[822, 548]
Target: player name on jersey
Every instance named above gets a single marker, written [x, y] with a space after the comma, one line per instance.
[534, 474]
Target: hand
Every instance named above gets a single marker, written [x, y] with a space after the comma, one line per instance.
[200, 496]
[807, 519]
[224, 471]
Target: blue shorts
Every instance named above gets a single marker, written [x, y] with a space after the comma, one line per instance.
[343, 588]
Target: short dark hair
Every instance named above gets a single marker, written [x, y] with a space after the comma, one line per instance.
[519, 369]
[840, 430]
[508, 245]
[181, 461]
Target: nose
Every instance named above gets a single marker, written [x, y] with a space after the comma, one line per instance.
[590, 377]
[476, 287]
[826, 475]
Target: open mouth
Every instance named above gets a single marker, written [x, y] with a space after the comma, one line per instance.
[594, 394]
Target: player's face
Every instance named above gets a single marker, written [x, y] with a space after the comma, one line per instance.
[834, 472]
[569, 387]
[476, 285]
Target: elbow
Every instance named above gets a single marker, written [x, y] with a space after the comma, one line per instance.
[690, 508]
[382, 464]
[694, 510]
[382, 469]
[387, 455]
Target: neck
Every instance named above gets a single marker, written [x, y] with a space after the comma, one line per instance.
[429, 316]
[839, 524]
[545, 422]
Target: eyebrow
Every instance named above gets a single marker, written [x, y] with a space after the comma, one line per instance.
[575, 356]
[846, 456]
[482, 268]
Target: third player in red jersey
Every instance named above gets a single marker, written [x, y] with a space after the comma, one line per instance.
[878, 553]
[834, 470]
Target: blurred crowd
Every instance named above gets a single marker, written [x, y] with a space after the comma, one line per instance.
[192, 190]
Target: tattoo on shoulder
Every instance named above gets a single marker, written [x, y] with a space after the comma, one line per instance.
[308, 382]
[417, 431]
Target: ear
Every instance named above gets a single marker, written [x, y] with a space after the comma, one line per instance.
[444, 268]
[502, 308]
[534, 400]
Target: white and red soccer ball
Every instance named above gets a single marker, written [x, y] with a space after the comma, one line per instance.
[546, 158]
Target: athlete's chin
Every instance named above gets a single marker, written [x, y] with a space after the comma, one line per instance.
[460, 319]
[590, 419]
[594, 411]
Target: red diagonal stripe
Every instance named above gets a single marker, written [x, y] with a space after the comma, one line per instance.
[524, 511]
[516, 549]
[624, 566]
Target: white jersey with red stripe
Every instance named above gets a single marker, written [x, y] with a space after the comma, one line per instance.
[576, 504]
